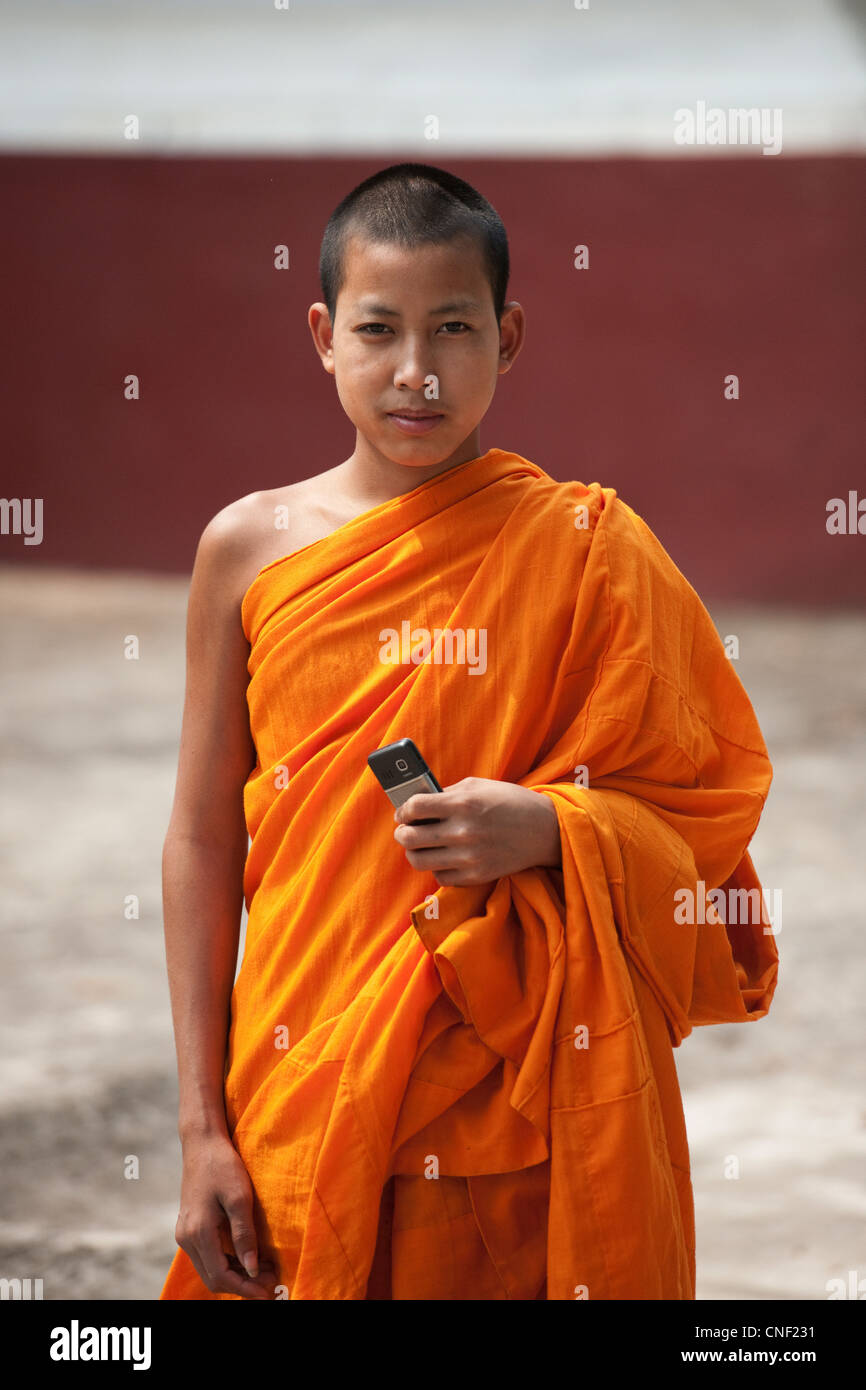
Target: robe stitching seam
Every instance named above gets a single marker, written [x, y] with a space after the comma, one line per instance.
[336, 1236]
[600, 532]
[602, 1100]
[493, 1261]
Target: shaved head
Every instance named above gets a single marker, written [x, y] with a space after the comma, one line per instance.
[414, 205]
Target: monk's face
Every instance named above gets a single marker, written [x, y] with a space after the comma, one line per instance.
[415, 331]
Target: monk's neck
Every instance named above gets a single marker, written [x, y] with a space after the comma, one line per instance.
[370, 478]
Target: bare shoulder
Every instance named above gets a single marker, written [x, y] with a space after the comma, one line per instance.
[244, 537]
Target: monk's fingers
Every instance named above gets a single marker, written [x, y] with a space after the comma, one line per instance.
[454, 835]
[424, 806]
[453, 857]
[204, 1267]
[239, 1214]
[429, 859]
[219, 1275]
[418, 837]
[456, 878]
[195, 1259]
[189, 1236]
[266, 1279]
[462, 870]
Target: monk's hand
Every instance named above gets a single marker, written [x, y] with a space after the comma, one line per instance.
[483, 830]
[215, 1226]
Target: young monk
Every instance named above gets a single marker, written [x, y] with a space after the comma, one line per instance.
[445, 1070]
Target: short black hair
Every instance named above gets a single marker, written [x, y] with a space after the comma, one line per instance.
[413, 205]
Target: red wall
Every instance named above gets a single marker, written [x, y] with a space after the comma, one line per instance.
[698, 268]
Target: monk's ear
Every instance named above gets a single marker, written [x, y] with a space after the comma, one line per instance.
[512, 332]
[323, 334]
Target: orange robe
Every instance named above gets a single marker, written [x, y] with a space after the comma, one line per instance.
[470, 1092]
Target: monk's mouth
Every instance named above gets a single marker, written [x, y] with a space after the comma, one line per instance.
[415, 424]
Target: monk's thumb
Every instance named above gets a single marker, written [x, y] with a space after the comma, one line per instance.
[244, 1241]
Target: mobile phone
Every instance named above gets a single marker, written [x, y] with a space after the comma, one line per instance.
[402, 772]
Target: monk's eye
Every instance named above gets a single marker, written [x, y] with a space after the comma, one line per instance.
[365, 326]
[455, 323]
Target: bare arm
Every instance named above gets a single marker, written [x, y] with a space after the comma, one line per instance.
[203, 860]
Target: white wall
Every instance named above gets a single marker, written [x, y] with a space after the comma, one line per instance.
[346, 75]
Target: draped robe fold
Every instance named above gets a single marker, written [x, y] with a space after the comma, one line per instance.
[499, 1056]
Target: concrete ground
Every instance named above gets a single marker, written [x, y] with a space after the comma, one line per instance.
[87, 1079]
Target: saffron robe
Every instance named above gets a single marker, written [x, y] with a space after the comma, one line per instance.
[495, 1060]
